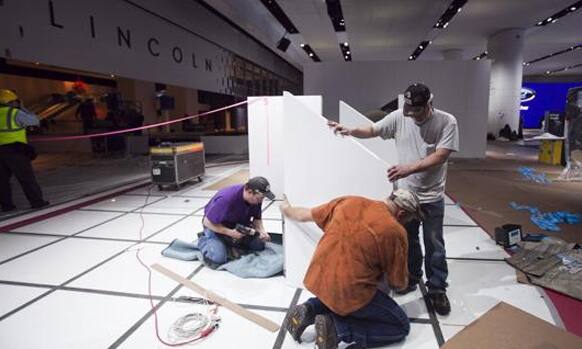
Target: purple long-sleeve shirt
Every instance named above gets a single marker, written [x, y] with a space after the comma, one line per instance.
[229, 208]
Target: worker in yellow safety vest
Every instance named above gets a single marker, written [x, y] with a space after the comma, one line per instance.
[15, 153]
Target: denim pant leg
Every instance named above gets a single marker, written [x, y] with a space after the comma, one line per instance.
[317, 306]
[414, 252]
[435, 262]
[212, 247]
[380, 322]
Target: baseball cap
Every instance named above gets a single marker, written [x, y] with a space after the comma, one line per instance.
[416, 95]
[408, 201]
[261, 185]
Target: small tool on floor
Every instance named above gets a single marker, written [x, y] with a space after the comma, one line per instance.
[508, 235]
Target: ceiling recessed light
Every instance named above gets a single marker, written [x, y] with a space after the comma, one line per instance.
[346, 43]
[311, 55]
[573, 8]
[348, 52]
[446, 25]
[302, 45]
[549, 19]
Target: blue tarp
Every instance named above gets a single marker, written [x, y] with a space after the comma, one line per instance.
[548, 220]
[262, 264]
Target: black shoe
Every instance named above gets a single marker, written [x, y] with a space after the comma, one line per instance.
[40, 204]
[440, 302]
[408, 289]
[8, 208]
[301, 317]
[325, 335]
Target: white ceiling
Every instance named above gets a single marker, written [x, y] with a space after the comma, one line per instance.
[391, 29]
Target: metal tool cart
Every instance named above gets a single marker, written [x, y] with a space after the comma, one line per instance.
[173, 164]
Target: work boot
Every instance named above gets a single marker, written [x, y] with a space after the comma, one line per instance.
[408, 289]
[440, 302]
[8, 208]
[301, 317]
[40, 204]
[325, 334]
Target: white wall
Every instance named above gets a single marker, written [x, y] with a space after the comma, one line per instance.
[266, 134]
[460, 88]
[85, 35]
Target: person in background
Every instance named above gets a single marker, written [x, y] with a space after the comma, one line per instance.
[15, 153]
[87, 113]
[363, 245]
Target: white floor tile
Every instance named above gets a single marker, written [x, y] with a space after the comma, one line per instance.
[477, 286]
[450, 331]
[234, 331]
[14, 296]
[270, 291]
[123, 203]
[176, 205]
[130, 226]
[125, 274]
[185, 230]
[59, 262]
[272, 211]
[454, 215]
[68, 223]
[413, 304]
[448, 200]
[471, 242]
[13, 245]
[72, 320]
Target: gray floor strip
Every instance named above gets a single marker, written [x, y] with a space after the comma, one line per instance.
[144, 318]
[432, 315]
[282, 331]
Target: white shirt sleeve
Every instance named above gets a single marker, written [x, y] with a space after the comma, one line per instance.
[24, 118]
[450, 136]
[386, 128]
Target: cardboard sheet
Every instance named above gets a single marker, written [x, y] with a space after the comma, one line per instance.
[319, 167]
[505, 326]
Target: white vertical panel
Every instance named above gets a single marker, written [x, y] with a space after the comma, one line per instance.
[385, 149]
[319, 167]
[265, 127]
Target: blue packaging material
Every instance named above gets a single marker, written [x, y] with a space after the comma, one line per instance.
[530, 174]
[549, 220]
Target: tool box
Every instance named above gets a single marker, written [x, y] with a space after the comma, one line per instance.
[173, 164]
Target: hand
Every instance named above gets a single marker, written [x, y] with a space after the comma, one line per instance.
[399, 171]
[284, 205]
[339, 128]
[235, 234]
[264, 236]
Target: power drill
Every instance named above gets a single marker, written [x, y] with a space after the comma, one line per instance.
[248, 233]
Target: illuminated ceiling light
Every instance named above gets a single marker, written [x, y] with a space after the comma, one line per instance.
[346, 43]
[548, 72]
[302, 45]
[459, 10]
[410, 58]
[420, 47]
[311, 55]
[549, 19]
[573, 8]
[477, 58]
[348, 52]
[540, 23]
[446, 25]
[554, 21]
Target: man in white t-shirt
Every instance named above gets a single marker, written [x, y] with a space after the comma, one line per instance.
[425, 137]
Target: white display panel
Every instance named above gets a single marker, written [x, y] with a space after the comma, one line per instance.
[319, 167]
[385, 149]
[265, 128]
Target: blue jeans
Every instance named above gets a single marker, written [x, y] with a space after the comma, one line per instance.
[435, 263]
[378, 323]
[214, 248]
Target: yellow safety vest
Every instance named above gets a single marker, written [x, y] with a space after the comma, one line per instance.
[10, 132]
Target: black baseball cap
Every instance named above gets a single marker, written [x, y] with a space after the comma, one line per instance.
[261, 185]
[416, 95]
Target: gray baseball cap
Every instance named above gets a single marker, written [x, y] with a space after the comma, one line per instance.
[261, 185]
[408, 201]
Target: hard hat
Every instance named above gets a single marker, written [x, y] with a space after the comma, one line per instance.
[7, 96]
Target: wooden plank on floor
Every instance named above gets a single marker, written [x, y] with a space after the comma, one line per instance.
[249, 315]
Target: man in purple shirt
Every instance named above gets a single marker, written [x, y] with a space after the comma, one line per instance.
[235, 205]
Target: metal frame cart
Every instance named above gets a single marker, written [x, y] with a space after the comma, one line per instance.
[173, 164]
